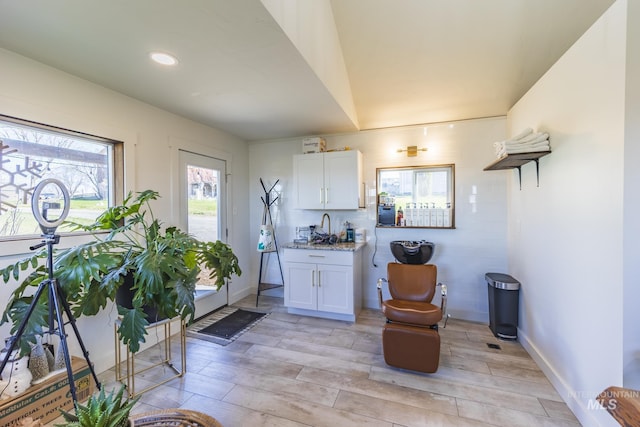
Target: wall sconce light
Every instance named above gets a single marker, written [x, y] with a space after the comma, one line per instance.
[412, 150]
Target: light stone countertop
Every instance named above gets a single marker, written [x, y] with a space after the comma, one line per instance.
[350, 247]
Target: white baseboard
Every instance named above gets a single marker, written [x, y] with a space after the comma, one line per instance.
[238, 295]
[585, 411]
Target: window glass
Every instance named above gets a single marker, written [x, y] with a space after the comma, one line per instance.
[32, 152]
[421, 196]
[202, 202]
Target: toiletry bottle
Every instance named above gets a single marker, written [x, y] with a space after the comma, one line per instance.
[400, 216]
[447, 216]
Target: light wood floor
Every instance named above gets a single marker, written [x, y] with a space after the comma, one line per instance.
[291, 370]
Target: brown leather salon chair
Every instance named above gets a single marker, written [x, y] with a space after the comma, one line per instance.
[410, 338]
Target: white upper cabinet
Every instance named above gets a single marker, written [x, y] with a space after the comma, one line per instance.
[328, 180]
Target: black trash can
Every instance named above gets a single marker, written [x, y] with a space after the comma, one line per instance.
[504, 295]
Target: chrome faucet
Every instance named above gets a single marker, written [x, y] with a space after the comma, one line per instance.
[322, 222]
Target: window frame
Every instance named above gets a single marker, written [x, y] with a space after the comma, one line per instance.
[117, 171]
[383, 195]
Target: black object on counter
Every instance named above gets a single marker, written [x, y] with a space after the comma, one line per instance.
[387, 215]
[350, 235]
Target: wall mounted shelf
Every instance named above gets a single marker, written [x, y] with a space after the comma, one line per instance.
[515, 161]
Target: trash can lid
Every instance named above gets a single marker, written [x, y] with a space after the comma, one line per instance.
[502, 281]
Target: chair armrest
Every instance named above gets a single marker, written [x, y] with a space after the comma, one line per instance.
[443, 303]
[379, 286]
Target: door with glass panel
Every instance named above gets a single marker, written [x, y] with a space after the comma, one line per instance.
[203, 214]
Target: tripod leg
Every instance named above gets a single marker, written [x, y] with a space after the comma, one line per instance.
[72, 321]
[16, 339]
[63, 340]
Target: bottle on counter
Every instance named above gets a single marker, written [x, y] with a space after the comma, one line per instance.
[408, 211]
[351, 234]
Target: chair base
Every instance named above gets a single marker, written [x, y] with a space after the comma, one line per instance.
[411, 347]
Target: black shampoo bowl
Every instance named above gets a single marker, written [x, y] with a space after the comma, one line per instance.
[412, 252]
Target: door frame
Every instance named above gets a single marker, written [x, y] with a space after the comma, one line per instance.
[210, 301]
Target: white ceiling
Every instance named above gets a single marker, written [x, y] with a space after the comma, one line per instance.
[408, 61]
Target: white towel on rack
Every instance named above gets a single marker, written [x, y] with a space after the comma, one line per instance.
[523, 134]
[532, 142]
[531, 139]
[542, 146]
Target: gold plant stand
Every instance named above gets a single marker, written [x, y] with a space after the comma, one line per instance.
[129, 372]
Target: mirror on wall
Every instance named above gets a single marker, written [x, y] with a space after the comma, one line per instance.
[416, 196]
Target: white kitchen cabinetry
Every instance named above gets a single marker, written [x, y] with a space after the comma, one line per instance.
[331, 180]
[323, 283]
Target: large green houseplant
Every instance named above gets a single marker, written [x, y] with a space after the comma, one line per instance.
[101, 410]
[130, 249]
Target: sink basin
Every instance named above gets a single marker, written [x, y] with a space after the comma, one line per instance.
[324, 239]
[412, 252]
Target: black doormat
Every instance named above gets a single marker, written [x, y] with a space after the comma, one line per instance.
[225, 325]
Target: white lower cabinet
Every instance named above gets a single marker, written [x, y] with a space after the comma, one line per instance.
[323, 283]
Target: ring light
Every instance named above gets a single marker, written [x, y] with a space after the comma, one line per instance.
[41, 210]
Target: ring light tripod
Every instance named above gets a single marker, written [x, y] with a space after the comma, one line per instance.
[57, 299]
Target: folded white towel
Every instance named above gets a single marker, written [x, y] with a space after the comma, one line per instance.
[526, 141]
[532, 144]
[527, 145]
[539, 139]
[522, 134]
[529, 137]
[526, 149]
[534, 137]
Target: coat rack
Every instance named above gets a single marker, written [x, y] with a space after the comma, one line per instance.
[267, 220]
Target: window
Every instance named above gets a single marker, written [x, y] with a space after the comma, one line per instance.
[88, 166]
[421, 196]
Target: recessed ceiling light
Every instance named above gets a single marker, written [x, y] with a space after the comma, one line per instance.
[163, 58]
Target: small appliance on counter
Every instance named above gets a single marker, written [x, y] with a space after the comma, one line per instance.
[386, 214]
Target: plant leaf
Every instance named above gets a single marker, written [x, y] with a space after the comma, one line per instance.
[101, 410]
[17, 312]
[132, 327]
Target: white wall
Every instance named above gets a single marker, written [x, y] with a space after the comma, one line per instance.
[32, 91]
[464, 255]
[565, 237]
[631, 327]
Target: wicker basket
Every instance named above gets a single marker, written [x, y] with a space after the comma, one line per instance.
[173, 418]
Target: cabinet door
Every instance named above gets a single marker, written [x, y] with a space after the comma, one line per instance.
[301, 286]
[341, 180]
[335, 288]
[308, 175]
